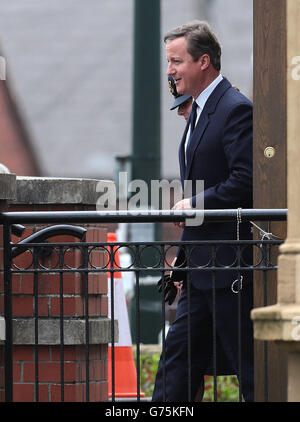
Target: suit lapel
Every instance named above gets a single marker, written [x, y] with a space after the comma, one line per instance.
[209, 108]
[195, 140]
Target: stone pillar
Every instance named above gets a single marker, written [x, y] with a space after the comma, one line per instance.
[7, 193]
[56, 194]
[281, 322]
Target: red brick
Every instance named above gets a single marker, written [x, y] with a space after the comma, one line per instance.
[43, 306]
[76, 306]
[15, 283]
[71, 306]
[1, 281]
[96, 234]
[23, 262]
[95, 352]
[95, 391]
[16, 372]
[104, 351]
[97, 283]
[27, 232]
[104, 306]
[70, 353]
[64, 239]
[72, 393]
[22, 353]
[99, 392]
[22, 305]
[72, 283]
[44, 392]
[94, 303]
[49, 372]
[73, 258]
[48, 283]
[2, 377]
[44, 353]
[23, 393]
[26, 283]
[96, 371]
[2, 304]
[99, 257]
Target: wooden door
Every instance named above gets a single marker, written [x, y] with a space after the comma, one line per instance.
[270, 191]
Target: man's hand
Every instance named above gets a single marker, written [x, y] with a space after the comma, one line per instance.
[184, 204]
[177, 284]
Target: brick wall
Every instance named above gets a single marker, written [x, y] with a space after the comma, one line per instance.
[74, 304]
[3, 207]
[50, 373]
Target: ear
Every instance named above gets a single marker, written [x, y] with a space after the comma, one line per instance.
[204, 61]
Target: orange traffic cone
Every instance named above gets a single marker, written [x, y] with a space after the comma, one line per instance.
[125, 375]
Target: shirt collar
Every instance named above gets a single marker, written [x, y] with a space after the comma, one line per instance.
[204, 95]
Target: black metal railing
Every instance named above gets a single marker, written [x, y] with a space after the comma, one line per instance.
[39, 247]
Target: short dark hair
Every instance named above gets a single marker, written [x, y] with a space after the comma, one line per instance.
[200, 40]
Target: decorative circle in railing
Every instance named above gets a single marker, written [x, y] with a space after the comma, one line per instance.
[150, 256]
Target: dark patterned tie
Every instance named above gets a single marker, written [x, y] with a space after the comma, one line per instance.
[193, 120]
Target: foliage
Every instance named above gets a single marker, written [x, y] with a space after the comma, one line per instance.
[227, 389]
[148, 369]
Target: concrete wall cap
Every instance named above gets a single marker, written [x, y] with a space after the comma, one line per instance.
[2, 330]
[74, 331]
[7, 186]
[56, 190]
[279, 322]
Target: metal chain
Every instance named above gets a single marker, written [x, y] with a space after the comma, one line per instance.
[239, 280]
[238, 222]
[264, 234]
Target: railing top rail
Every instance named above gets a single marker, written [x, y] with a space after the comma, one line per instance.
[142, 216]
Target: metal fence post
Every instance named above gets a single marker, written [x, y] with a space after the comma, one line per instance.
[8, 313]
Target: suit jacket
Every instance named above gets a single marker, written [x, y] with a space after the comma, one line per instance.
[220, 154]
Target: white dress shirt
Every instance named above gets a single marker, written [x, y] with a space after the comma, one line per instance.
[201, 100]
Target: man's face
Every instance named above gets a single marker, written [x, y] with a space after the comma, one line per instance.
[185, 109]
[186, 73]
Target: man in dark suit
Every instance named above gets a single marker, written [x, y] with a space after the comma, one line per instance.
[216, 147]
